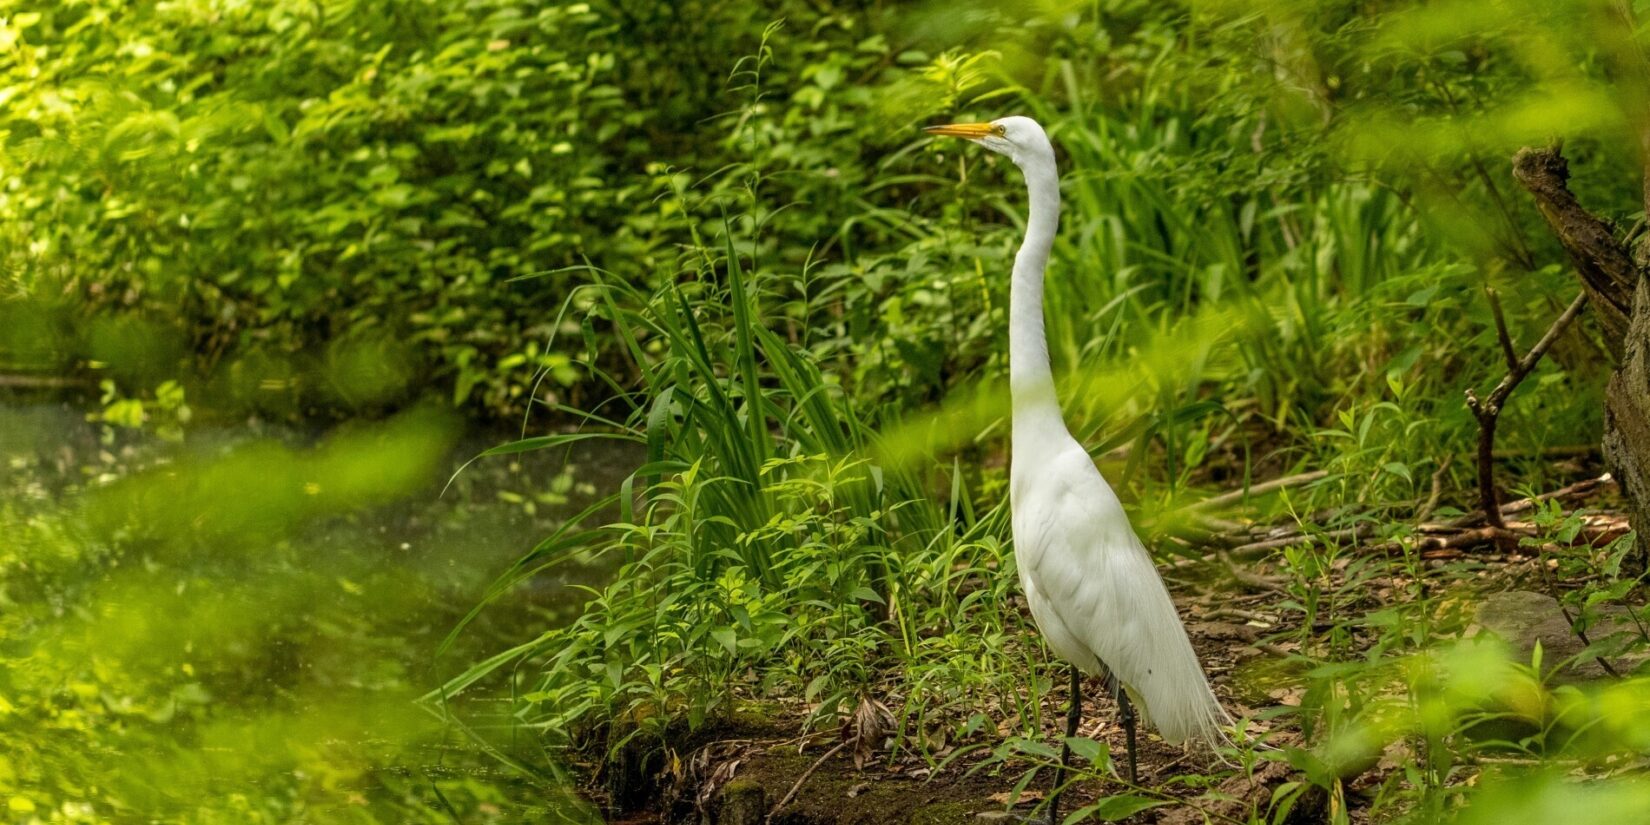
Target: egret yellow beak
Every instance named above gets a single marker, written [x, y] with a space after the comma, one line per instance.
[972, 131]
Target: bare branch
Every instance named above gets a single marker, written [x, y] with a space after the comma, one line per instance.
[1605, 267]
[791, 794]
[1498, 396]
[1437, 492]
[1488, 410]
[1259, 548]
[1262, 488]
[1507, 349]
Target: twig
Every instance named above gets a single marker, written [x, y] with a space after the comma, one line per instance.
[1262, 488]
[1488, 410]
[1437, 490]
[791, 794]
[1272, 649]
[42, 382]
[1469, 538]
[1235, 613]
[1559, 451]
[1594, 532]
[1580, 489]
[1501, 333]
[1462, 539]
[1252, 579]
[1455, 533]
[1257, 548]
[1221, 525]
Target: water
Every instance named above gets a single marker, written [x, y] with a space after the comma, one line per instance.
[236, 627]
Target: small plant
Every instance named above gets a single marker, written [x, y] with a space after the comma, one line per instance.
[166, 413]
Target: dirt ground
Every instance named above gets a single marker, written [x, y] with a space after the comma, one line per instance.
[745, 773]
[760, 770]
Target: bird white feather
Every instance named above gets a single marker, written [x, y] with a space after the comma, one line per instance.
[1098, 598]
[1090, 582]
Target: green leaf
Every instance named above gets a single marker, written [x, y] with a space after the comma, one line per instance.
[1113, 808]
[727, 638]
[814, 687]
[1086, 748]
[863, 593]
[1036, 748]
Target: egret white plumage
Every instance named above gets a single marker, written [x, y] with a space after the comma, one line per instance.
[1092, 587]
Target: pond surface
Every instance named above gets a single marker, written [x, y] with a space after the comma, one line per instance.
[237, 626]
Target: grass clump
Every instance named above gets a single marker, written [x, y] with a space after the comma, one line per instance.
[767, 549]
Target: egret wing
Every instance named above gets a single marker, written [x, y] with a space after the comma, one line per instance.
[1099, 599]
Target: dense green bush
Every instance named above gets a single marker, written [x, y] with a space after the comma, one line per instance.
[286, 196]
[271, 180]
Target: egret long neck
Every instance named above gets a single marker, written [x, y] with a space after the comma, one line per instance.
[1031, 380]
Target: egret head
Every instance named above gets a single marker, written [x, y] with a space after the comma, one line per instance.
[1020, 138]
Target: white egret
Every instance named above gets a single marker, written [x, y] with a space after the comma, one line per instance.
[1091, 584]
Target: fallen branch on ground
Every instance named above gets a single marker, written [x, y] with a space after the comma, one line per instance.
[1581, 489]
[1259, 548]
[42, 382]
[1459, 533]
[791, 794]
[1264, 487]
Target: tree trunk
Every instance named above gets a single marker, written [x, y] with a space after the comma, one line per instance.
[1627, 423]
[1613, 279]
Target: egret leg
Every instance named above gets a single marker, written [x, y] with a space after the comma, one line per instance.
[1125, 714]
[1073, 716]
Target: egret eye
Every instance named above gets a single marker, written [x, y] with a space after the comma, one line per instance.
[999, 130]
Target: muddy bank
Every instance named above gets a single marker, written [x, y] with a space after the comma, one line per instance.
[748, 777]
[758, 769]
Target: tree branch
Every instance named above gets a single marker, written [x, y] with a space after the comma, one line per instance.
[1488, 410]
[1501, 334]
[1605, 267]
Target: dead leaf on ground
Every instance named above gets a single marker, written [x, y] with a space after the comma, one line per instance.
[869, 725]
[1025, 798]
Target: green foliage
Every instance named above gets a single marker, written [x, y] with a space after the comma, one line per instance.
[290, 177]
[712, 232]
[342, 185]
[215, 638]
[770, 550]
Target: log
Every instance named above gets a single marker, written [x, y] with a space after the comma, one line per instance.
[1612, 278]
[1605, 268]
